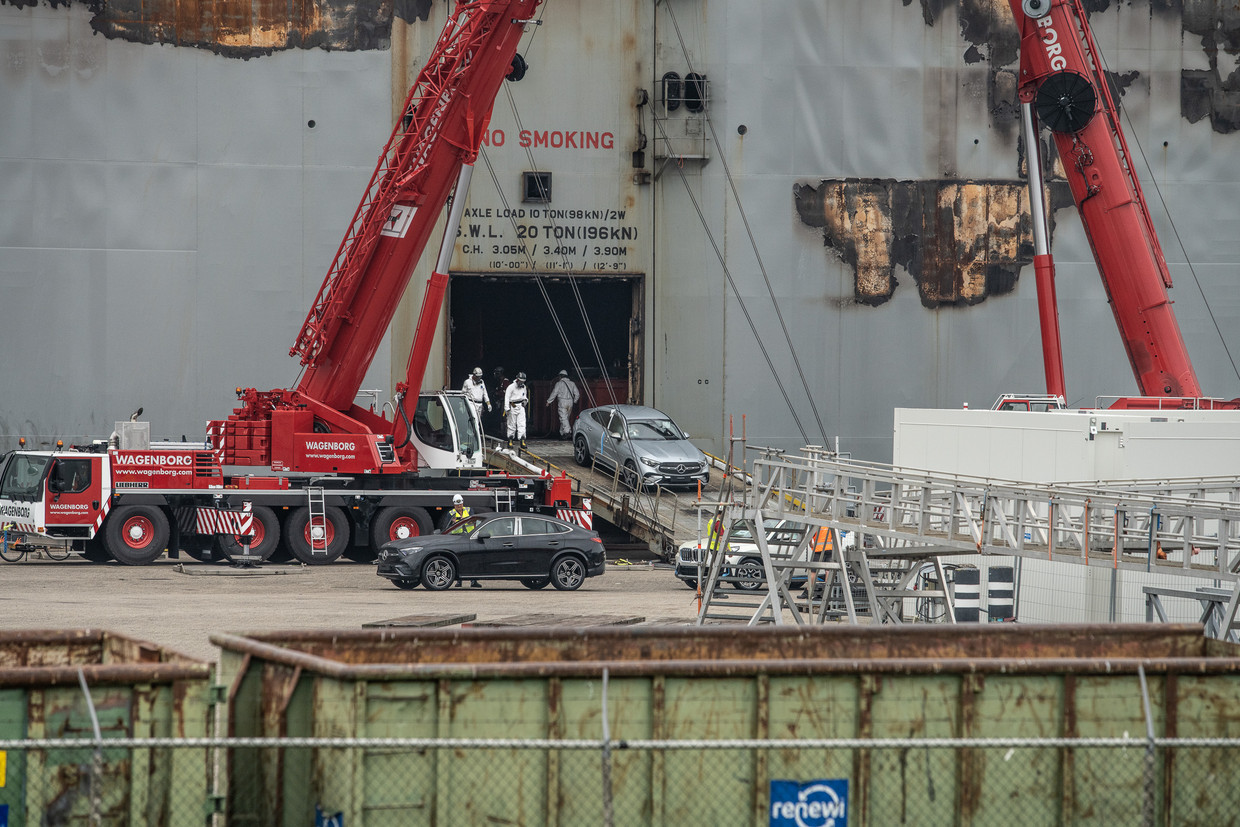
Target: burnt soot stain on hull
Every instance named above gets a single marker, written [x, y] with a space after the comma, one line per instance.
[961, 241]
[251, 29]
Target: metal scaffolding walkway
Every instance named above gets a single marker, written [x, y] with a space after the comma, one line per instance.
[904, 521]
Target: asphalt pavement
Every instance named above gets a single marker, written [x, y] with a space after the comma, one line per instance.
[179, 604]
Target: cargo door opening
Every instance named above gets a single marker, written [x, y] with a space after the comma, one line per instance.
[503, 325]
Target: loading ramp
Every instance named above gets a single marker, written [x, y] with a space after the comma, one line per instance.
[662, 518]
[905, 521]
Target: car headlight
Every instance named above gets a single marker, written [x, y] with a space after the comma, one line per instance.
[653, 463]
[412, 550]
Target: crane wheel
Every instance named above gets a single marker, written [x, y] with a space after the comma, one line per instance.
[136, 535]
[398, 522]
[266, 536]
[298, 534]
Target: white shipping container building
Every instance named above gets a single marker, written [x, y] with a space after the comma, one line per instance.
[1090, 448]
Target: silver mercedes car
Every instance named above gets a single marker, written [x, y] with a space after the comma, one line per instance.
[643, 443]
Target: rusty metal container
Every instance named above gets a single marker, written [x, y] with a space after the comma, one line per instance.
[138, 690]
[680, 683]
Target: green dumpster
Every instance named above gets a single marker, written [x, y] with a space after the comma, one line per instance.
[676, 684]
[136, 690]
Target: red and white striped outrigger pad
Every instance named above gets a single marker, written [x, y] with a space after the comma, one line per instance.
[583, 516]
[219, 521]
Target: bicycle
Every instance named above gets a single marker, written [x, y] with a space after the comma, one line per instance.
[14, 548]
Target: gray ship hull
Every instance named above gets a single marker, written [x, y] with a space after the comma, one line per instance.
[829, 225]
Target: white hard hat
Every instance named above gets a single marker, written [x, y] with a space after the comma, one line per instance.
[477, 371]
[564, 373]
[521, 376]
[457, 499]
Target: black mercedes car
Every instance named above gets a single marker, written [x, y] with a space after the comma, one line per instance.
[531, 548]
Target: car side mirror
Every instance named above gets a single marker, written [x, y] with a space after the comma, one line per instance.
[437, 531]
[684, 434]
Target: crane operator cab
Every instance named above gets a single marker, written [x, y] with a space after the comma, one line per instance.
[446, 431]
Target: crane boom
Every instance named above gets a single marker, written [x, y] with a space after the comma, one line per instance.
[445, 116]
[1061, 75]
[431, 149]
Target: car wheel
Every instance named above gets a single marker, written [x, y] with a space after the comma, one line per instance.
[568, 573]
[405, 583]
[581, 453]
[749, 575]
[536, 582]
[438, 573]
[629, 476]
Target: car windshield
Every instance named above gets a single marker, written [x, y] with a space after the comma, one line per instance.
[654, 429]
[23, 477]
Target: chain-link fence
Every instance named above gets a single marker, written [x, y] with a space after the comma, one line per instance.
[1125, 780]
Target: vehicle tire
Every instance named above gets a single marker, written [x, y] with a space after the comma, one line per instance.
[581, 452]
[536, 582]
[297, 536]
[406, 583]
[438, 573]
[629, 476]
[266, 537]
[749, 575]
[568, 573]
[398, 522]
[136, 535]
[692, 584]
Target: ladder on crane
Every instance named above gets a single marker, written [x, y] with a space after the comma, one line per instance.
[317, 526]
[906, 520]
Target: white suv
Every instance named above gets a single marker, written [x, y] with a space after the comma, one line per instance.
[743, 562]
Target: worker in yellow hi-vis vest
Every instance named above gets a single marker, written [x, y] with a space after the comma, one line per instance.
[714, 533]
[456, 514]
[823, 546]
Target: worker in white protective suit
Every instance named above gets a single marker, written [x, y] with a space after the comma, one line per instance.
[516, 400]
[476, 392]
[565, 395]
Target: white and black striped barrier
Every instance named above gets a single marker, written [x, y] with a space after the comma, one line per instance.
[1000, 594]
[968, 595]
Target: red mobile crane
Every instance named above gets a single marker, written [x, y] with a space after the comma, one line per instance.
[355, 478]
[1062, 84]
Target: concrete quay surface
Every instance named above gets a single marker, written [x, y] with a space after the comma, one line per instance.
[178, 604]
